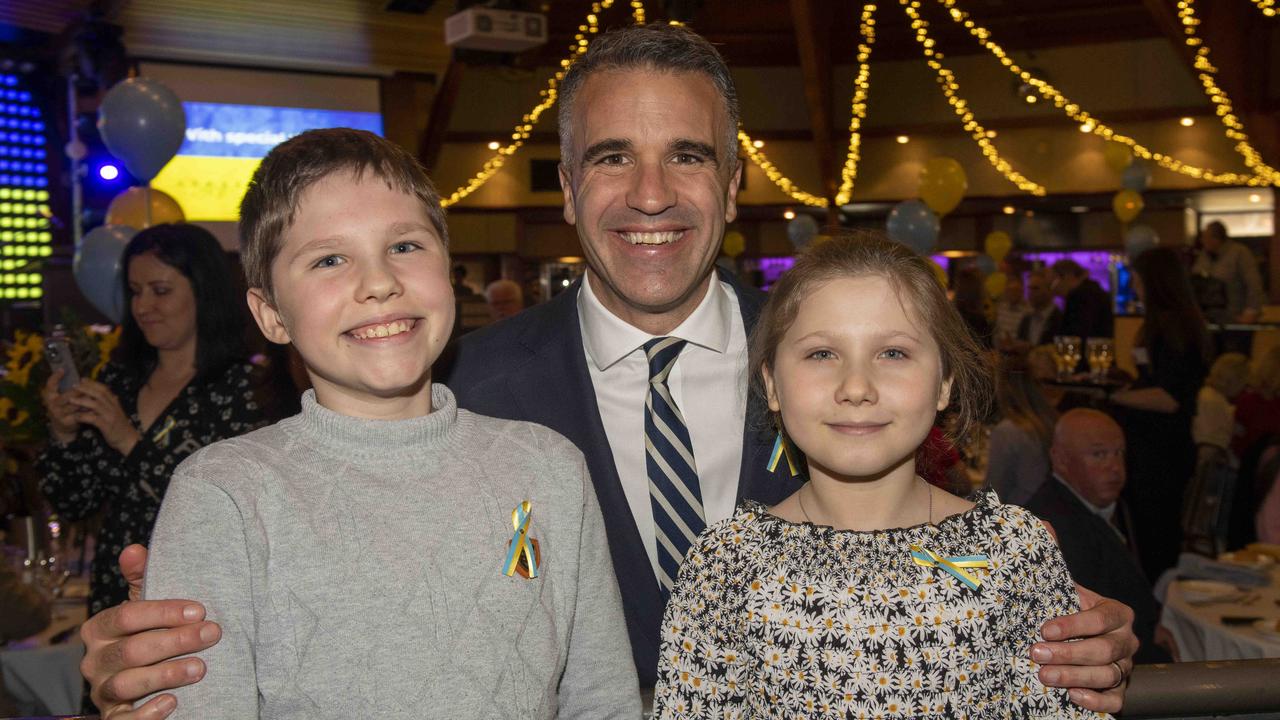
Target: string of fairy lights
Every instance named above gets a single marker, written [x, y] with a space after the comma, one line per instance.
[520, 133]
[1207, 74]
[858, 105]
[1263, 174]
[951, 89]
[1086, 120]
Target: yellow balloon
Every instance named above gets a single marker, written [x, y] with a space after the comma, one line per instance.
[995, 283]
[938, 272]
[998, 244]
[1117, 155]
[942, 184]
[734, 243]
[1127, 204]
[130, 208]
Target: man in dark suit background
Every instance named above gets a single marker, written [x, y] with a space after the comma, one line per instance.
[1082, 503]
[1043, 320]
[1086, 310]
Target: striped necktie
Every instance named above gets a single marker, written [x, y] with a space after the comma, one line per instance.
[678, 517]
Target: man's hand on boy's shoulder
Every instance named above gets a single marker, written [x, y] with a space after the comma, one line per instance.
[128, 648]
[1088, 650]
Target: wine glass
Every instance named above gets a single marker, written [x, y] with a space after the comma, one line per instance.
[1068, 351]
[1101, 354]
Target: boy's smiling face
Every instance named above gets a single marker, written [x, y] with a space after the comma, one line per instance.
[362, 291]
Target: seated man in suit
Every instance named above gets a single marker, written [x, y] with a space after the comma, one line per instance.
[1082, 503]
[641, 364]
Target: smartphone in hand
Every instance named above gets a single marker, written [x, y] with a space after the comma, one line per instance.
[58, 353]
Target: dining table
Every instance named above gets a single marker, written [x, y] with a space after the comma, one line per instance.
[42, 672]
[1215, 620]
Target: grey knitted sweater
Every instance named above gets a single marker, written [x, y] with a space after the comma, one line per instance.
[356, 568]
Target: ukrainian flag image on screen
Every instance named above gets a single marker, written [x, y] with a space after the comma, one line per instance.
[224, 145]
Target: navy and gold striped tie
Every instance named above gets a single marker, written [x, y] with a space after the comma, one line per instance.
[678, 516]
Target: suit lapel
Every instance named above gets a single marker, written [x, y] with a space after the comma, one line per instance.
[554, 388]
[755, 482]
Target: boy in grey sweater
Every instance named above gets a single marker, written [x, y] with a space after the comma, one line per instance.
[383, 553]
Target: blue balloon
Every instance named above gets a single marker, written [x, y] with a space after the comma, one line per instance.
[1140, 239]
[1136, 177]
[801, 231]
[143, 124]
[913, 224]
[98, 268]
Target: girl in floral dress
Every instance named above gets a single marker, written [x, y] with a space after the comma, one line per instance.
[868, 593]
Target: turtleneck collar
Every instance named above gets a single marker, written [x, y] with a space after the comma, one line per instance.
[379, 441]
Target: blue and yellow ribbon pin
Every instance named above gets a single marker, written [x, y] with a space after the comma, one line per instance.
[522, 551]
[780, 450]
[955, 565]
[161, 437]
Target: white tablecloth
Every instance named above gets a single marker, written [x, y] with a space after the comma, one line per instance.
[44, 679]
[1201, 635]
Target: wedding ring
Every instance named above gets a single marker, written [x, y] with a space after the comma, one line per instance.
[1120, 672]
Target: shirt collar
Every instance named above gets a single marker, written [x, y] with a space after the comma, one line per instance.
[609, 338]
[1104, 512]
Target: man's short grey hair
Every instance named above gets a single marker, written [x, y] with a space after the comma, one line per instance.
[658, 47]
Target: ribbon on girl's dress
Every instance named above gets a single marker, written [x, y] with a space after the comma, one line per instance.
[521, 547]
[955, 565]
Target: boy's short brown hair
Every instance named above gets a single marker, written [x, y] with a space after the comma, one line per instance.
[862, 253]
[296, 164]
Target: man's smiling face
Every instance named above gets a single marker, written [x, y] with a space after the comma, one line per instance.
[650, 189]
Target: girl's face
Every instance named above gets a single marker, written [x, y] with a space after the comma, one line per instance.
[858, 380]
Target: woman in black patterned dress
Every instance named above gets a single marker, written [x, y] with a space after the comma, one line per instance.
[178, 382]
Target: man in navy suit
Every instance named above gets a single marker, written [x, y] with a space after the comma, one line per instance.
[648, 127]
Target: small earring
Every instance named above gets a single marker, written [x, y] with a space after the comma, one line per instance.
[781, 449]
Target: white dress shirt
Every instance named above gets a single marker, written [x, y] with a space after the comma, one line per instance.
[708, 384]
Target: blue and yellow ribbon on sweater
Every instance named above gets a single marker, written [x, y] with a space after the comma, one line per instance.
[521, 546]
[955, 565]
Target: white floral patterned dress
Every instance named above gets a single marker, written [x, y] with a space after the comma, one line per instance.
[774, 619]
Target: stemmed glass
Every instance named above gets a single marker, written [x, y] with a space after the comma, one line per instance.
[1067, 349]
[1101, 354]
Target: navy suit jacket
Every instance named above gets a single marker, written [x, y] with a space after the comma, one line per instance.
[533, 367]
[1099, 560]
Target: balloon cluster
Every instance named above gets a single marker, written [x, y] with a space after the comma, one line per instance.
[1135, 177]
[142, 123]
[915, 223]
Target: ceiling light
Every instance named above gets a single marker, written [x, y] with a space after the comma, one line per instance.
[1255, 198]
[1087, 126]
[494, 145]
[903, 139]
[790, 214]
[757, 144]
[1187, 122]
[991, 134]
[1008, 210]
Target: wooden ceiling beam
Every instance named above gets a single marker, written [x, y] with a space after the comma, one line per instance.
[441, 112]
[812, 24]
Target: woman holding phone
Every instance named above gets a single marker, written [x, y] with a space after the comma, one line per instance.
[178, 381]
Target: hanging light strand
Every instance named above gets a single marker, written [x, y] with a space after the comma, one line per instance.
[520, 133]
[950, 88]
[1207, 74]
[637, 11]
[775, 175]
[1078, 114]
[858, 105]
[1268, 7]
